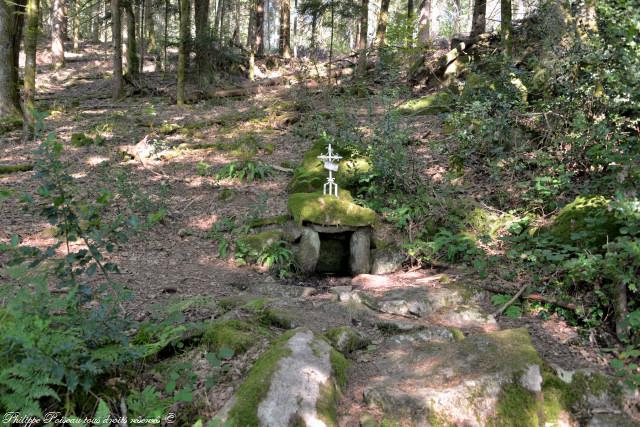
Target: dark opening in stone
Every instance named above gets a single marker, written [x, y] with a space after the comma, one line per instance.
[334, 253]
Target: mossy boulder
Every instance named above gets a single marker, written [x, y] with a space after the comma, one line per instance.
[346, 339]
[586, 222]
[259, 241]
[310, 176]
[317, 208]
[434, 103]
[295, 382]
[234, 334]
[458, 382]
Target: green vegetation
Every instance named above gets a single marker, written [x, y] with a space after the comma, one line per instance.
[329, 210]
[233, 334]
[9, 169]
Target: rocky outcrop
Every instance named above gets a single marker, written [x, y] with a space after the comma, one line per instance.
[295, 382]
[459, 383]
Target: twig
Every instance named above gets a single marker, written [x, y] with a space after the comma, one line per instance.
[530, 297]
[511, 301]
[281, 169]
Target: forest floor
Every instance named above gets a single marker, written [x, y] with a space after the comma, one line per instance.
[175, 261]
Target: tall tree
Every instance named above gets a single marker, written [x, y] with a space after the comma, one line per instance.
[383, 18]
[259, 28]
[76, 25]
[133, 61]
[505, 24]
[202, 35]
[479, 18]
[424, 23]
[11, 20]
[30, 45]
[57, 42]
[364, 30]
[116, 37]
[183, 49]
[285, 28]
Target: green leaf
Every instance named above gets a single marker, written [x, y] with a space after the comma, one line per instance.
[103, 412]
[226, 353]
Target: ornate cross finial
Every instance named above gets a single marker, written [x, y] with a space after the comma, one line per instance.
[330, 187]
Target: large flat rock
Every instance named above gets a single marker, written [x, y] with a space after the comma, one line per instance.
[458, 383]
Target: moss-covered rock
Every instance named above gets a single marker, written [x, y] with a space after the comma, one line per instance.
[259, 241]
[346, 340]
[295, 380]
[234, 334]
[329, 210]
[434, 103]
[587, 222]
[310, 176]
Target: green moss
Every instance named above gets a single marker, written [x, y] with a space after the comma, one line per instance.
[434, 103]
[258, 242]
[327, 404]
[169, 128]
[310, 176]
[484, 222]
[516, 349]
[10, 123]
[82, 140]
[329, 210]
[517, 407]
[234, 334]
[271, 220]
[256, 385]
[587, 221]
[458, 335]
[340, 366]
[8, 169]
[271, 316]
[227, 194]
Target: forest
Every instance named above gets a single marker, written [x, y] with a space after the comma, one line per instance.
[320, 213]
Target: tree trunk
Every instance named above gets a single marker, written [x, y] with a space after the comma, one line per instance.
[620, 306]
[116, 37]
[267, 18]
[76, 25]
[505, 24]
[424, 23]
[382, 22]
[364, 30]
[95, 21]
[285, 28]
[133, 61]
[182, 53]
[202, 36]
[236, 30]
[251, 26]
[410, 10]
[259, 29]
[11, 20]
[479, 22]
[57, 43]
[141, 34]
[295, 29]
[30, 45]
[166, 35]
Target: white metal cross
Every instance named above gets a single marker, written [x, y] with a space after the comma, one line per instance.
[331, 166]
